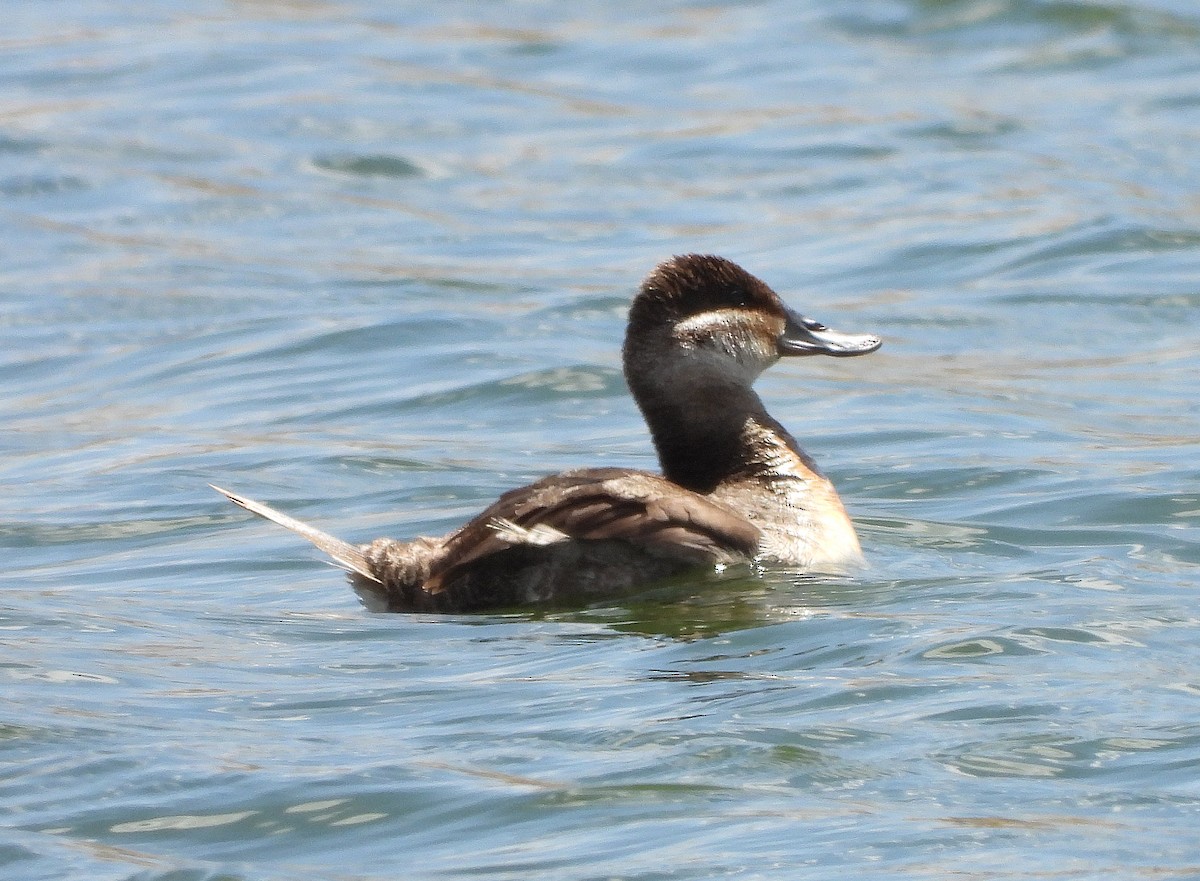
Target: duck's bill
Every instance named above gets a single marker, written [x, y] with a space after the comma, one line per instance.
[803, 336]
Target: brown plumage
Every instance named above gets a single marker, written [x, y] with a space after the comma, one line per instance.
[735, 486]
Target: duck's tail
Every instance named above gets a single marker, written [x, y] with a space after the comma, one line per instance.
[343, 553]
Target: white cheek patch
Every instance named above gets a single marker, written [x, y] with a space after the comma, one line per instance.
[738, 333]
[708, 324]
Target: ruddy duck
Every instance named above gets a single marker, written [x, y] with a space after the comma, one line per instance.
[735, 485]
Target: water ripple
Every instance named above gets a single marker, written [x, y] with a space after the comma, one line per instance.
[373, 265]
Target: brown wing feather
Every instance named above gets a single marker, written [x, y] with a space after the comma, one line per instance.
[599, 504]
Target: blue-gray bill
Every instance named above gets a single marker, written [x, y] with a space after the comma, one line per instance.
[804, 336]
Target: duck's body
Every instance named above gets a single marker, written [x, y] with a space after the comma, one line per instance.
[735, 485]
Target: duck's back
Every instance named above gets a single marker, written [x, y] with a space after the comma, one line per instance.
[581, 534]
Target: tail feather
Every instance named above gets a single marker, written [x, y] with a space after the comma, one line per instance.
[342, 552]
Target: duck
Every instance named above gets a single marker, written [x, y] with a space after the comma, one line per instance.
[734, 485]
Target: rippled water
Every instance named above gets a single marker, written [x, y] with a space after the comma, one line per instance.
[370, 263]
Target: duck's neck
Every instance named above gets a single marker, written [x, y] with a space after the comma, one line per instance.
[717, 436]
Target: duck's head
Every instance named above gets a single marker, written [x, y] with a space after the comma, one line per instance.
[699, 317]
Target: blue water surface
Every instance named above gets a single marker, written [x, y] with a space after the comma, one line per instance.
[370, 263]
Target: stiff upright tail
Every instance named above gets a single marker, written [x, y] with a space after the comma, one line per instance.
[343, 553]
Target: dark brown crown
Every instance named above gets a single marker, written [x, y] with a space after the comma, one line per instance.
[694, 283]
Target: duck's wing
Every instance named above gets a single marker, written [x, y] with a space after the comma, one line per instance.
[645, 510]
